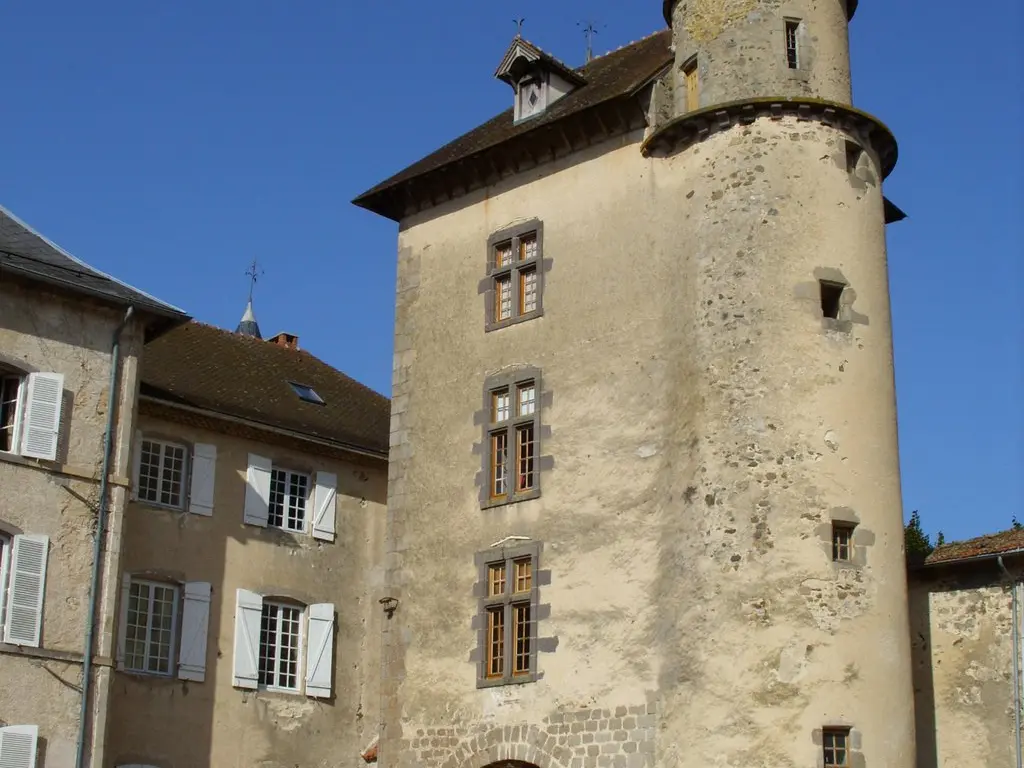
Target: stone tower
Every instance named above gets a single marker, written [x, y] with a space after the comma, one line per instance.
[644, 502]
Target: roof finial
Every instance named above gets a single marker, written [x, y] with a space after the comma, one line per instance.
[519, 26]
[248, 325]
[588, 32]
[253, 273]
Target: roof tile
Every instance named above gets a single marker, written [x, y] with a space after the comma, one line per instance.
[989, 545]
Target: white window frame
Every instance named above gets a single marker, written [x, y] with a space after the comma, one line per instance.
[300, 659]
[19, 409]
[6, 548]
[286, 497]
[172, 651]
[161, 468]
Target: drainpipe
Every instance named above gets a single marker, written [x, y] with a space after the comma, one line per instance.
[90, 621]
[1016, 658]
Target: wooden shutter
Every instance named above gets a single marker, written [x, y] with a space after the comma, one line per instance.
[204, 467]
[25, 597]
[320, 650]
[195, 624]
[248, 612]
[18, 744]
[122, 635]
[41, 426]
[257, 491]
[325, 504]
[692, 88]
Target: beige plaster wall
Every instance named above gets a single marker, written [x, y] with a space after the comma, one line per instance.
[706, 425]
[41, 331]
[177, 724]
[962, 624]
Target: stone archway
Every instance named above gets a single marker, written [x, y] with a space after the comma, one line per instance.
[518, 746]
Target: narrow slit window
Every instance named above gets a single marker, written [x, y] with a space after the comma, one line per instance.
[499, 451]
[831, 299]
[521, 638]
[853, 153]
[793, 43]
[495, 642]
[525, 473]
[842, 542]
[836, 746]
[692, 82]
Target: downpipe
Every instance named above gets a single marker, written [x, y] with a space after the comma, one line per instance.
[1016, 658]
[101, 521]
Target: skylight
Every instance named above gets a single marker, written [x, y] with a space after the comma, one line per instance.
[307, 393]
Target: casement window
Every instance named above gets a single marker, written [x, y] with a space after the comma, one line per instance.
[793, 52]
[691, 81]
[22, 588]
[513, 437]
[842, 542]
[292, 501]
[515, 275]
[30, 414]
[19, 746]
[283, 646]
[508, 616]
[836, 747]
[169, 474]
[164, 628]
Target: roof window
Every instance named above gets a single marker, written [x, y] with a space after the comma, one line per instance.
[538, 79]
[307, 393]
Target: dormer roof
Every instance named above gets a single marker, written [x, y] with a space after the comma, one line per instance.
[523, 56]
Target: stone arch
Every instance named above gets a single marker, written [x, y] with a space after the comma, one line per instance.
[508, 746]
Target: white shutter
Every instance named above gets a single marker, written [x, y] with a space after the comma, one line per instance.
[195, 623]
[25, 597]
[257, 491]
[136, 465]
[204, 467]
[248, 612]
[18, 746]
[41, 426]
[320, 650]
[122, 634]
[324, 505]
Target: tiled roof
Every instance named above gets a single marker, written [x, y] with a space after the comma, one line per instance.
[615, 75]
[990, 545]
[209, 368]
[25, 252]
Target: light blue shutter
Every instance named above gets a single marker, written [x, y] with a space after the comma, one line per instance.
[204, 473]
[257, 491]
[41, 426]
[324, 506]
[18, 744]
[27, 587]
[195, 623]
[248, 613]
[320, 650]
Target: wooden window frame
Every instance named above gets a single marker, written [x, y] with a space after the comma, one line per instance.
[836, 731]
[794, 52]
[518, 660]
[515, 272]
[691, 72]
[15, 408]
[842, 529]
[508, 432]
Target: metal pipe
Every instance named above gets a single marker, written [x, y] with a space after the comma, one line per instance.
[1016, 658]
[90, 621]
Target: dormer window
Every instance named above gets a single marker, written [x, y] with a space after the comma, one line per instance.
[538, 79]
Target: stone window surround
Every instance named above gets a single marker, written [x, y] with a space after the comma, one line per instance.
[861, 540]
[848, 316]
[805, 58]
[540, 264]
[855, 758]
[507, 554]
[510, 378]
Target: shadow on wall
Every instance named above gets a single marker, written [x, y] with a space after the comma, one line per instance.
[924, 682]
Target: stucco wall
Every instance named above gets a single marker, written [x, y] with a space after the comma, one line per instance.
[962, 624]
[40, 331]
[176, 724]
[705, 425]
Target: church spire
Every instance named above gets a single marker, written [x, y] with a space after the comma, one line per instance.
[248, 325]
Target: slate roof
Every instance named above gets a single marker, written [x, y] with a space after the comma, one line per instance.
[615, 75]
[216, 370]
[25, 252]
[984, 546]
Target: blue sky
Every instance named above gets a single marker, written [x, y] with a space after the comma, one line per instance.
[171, 143]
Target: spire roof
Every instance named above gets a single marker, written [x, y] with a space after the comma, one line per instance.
[248, 325]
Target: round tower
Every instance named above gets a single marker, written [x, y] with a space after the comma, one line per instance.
[789, 596]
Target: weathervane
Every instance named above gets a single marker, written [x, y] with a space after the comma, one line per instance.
[519, 26]
[588, 32]
[253, 273]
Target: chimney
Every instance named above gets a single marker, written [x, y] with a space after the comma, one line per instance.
[286, 340]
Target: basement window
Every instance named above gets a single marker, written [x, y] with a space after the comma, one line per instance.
[831, 295]
[307, 393]
[793, 43]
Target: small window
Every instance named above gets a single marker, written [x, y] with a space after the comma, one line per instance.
[831, 299]
[842, 542]
[692, 82]
[289, 494]
[150, 628]
[793, 43]
[531, 98]
[10, 412]
[161, 475]
[279, 646]
[836, 746]
[853, 153]
[514, 272]
[512, 440]
[307, 393]
[509, 617]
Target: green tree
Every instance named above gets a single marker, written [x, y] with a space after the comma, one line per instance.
[1016, 524]
[917, 541]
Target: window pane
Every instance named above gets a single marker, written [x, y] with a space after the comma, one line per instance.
[528, 247]
[503, 298]
[268, 645]
[149, 471]
[526, 477]
[298, 490]
[278, 484]
[522, 639]
[527, 291]
[500, 407]
[9, 388]
[503, 255]
[496, 580]
[499, 458]
[495, 642]
[173, 472]
[524, 575]
[150, 626]
[527, 399]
